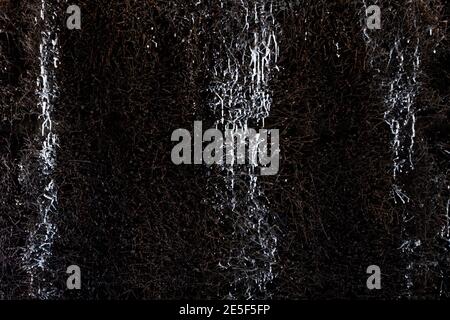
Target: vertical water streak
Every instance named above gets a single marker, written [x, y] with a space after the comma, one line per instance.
[41, 237]
[242, 98]
[403, 68]
[400, 100]
[401, 119]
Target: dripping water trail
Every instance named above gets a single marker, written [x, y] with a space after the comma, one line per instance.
[40, 241]
[401, 119]
[242, 97]
[403, 68]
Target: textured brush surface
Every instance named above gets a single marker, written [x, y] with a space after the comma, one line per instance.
[86, 176]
